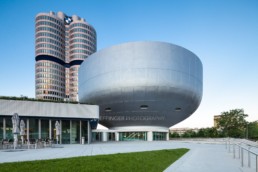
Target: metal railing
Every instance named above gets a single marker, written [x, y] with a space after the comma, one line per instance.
[231, 144]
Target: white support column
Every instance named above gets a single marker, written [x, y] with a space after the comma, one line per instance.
[50, 129]
[104, 136]
[70, 131]
[167, 136]
[117, 136]
[39, 128]
[80, 132]
[149, 136]
[4, 128]
[60, 136]
[28, 129]
[89, 132]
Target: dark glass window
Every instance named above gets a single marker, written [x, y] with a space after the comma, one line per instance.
[44, 129]
[85, 130]
[75, 132]
[1, 128]
[33, 129]
[8, 128]
[65, 131]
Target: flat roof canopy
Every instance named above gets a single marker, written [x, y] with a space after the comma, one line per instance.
[48, 109]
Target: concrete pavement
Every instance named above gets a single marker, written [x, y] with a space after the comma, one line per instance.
[204, 155]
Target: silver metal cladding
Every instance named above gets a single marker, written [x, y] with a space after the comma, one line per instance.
[142, 84]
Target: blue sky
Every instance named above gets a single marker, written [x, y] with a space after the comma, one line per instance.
[223, 33]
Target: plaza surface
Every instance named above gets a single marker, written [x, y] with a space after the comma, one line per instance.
[204, 154]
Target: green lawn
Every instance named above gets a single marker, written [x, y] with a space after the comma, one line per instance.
[139, 161]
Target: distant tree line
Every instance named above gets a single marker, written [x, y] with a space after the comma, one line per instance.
[229, 124]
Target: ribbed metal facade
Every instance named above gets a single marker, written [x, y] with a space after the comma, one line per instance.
[62, 43]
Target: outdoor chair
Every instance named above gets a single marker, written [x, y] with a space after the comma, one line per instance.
[6, 144]
[39, 143]
[31, 143]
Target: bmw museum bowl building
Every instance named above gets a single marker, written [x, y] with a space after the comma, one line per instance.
[142, 88]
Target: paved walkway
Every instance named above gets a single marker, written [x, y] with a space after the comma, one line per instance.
[204, 155]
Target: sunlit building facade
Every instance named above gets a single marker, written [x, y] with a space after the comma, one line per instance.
[142, 88]
[61, 44]
[76, 120]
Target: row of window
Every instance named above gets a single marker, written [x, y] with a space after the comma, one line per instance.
[52, 87]
[80, 35]
[49, 18]
[83, 31]
[49, 64]
[82, 41]
[73, 69]
[73, 84]
[53, 71]
[73, 79]
[82, 46]
[49, 40]
[44, 75]
[46, 23]
[49, 35]
[79, 51]
[50, 81]
[49, 29]
[83, 25]
[52, 98]
[53, 93]
[51, 52]
[73, 74]
[79, 56]
[50, 46]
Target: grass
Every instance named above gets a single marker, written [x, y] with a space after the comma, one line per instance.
[138, 161]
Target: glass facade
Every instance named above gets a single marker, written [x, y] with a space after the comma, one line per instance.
[53, 130]
[96, 137]
[44, 129]
[8, 128]
[64, 44]
[71, 130]
[33, 129]
[111, 137]
[133, 136]
[75, 132]
[65, 131]
[85, 130]
[159, 136]
[1, 128]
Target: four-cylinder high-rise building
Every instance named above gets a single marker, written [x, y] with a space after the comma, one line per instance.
[61, 44]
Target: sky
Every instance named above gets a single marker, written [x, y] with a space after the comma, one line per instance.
[222, 33]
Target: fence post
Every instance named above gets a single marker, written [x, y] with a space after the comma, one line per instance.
[234, 154]
[239, 151]
[242, 157]
[256, 163]
[249, 161]
[229, 146]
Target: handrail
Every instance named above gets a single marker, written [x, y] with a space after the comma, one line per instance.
[241, 155]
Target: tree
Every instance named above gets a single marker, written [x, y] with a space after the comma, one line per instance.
[208, 132]
[252, 130]
[174, 135]
[189, 134]
[233, 123]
